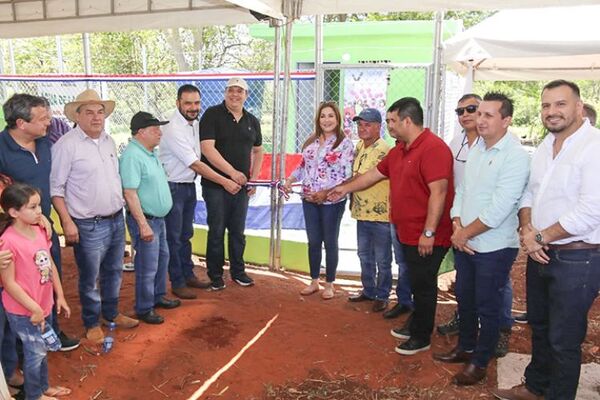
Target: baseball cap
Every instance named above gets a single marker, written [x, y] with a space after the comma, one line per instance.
[143, 120]
[239, 82]
[369, 115]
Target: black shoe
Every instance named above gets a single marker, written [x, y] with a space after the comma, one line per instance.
[502, 345]
[379, 305]
[396, 311]
[412, 346]
[404, 332]
[243, 279]
[67, 343]
[357, 298]
[521, 318]
[217, 284]
[450, 328]
[151, 318]
[167, 304]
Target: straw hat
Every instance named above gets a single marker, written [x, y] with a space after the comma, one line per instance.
[88, 96]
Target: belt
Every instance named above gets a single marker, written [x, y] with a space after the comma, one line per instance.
[181, 183]
[579, 245]
[102, 217]
[149, 217]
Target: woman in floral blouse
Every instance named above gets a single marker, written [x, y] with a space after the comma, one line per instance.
[326, 162]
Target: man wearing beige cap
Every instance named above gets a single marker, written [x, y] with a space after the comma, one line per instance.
[231, 142]
[86, 192]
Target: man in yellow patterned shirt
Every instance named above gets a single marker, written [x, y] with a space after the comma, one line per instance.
[370, 208]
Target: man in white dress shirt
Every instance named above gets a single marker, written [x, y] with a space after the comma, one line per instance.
[180, 155]
[560, 231]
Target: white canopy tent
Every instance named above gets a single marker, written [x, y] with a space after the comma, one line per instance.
[530, 44]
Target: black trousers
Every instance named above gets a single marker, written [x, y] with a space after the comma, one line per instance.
[423, 272]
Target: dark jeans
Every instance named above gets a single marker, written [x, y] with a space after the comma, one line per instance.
[35, 361]
[55, 253]
[8, 344]
[480, 282]
[99, 257]
[225, 211]
[403, 291]
[422, 272]
[375, 254]
[151, 262]
[180, 229]
[559, 297]
[323, 226]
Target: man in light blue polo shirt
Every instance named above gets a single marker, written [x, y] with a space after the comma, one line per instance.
[484, 219]
[148, 199]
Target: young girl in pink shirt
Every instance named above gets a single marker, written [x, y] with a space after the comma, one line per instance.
[29, 284]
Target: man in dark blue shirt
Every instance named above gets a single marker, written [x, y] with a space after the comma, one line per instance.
[25, 157]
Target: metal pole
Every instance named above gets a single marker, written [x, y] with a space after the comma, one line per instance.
[437, 72]
[87, 57]
[145, 71]
[276, 175]
[11, 56]
[1, 57]
[319, 72]
[60, 65]
[284, 122]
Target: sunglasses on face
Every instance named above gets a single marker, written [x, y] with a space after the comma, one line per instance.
[470, 109]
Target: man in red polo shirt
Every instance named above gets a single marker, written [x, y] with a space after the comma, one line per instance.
[421, 193]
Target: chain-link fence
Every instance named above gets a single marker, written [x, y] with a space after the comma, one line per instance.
[155, 95]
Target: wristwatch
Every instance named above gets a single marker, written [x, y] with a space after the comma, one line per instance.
[428, 234]
[539, 238]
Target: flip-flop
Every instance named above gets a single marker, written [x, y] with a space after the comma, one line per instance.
[57, 391]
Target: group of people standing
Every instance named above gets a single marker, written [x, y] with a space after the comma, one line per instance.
[484, 197]
[95, 195]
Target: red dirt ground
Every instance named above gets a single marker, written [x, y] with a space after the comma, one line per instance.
[312, 340]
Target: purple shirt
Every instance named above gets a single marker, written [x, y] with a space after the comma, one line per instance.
[57, 129]
[323, 167]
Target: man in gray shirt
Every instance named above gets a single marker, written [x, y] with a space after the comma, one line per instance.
[86, 192]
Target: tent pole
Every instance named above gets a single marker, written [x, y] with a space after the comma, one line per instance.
[284, 121]
[319, 79]
[435, 95]
[87, 58]
[11, 56]
[59, 55]
[275, 174]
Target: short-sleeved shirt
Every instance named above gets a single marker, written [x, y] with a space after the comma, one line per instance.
[26, 167]
[234, 140]
[428, 159]
[33, 270]
[142, 171]
[86, 173]
[180, 148]
[371, 204]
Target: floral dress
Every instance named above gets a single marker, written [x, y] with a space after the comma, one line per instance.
[323, 167]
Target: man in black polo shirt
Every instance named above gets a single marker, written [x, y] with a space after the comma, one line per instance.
[231, 144]
[25, 157]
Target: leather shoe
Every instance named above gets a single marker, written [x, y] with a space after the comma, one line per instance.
[184, 293]
[167, 304]
[379, 305]
[456, 355]
[470, 375]
[396, 311]
[197, 283]
[357, 298]
[151, 318]
[520, 392]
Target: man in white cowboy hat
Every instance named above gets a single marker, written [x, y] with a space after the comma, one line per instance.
[86, 192]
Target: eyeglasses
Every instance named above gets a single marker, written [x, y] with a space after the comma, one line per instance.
[470, 109]
[465, 142]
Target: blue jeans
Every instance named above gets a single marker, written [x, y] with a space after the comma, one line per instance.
[375, 254]
[403, 291]
[506, 319]
[559, 297]
[151, 263]
[225, 211]
[180, 229]
[99, 254]
[322, 223]
[55, 254]
[35, 362]
[8, 344]
[480, 280]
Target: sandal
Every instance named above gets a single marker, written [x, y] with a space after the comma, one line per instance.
[57, 391]
[329, 292]
[310, 289]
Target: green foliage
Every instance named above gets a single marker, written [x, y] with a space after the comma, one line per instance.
[469, 18]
